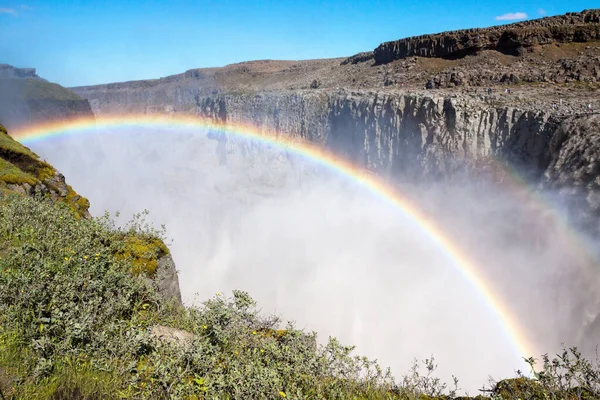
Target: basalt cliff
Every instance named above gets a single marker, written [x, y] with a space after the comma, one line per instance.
[27, 99]
[525, 94]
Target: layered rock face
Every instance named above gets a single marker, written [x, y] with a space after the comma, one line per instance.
[8, 71]
[410, 135]
[509, 39]
[419, 135]
[27, 99]
[426, 116]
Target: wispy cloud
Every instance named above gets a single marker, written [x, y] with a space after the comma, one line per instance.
[511, 16]
[26, 7]
[541, 11]
[10, 11]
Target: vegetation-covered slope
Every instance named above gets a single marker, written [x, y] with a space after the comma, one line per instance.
[81, 317]
[21, 170]
[80, 321]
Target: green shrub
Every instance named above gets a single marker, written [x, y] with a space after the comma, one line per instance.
[69, 295]
[77, 315]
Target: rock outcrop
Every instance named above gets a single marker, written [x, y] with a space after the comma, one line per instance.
[10, 72]
[27, 99]
[22, 171]
[427, 114]
[167, 280]
[395, 133]
[508, 39]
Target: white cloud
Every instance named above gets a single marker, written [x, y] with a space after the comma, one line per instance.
[26, 7]
[541, 11]
[11, 11]
[511, 16]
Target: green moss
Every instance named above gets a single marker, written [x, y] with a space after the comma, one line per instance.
[19, 165]
[12, 175]
[142, 252]
[9, 145]
[277, 334]
[523, 388]
[79, 205]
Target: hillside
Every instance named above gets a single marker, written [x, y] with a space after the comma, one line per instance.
[23, 172]
[536, 57]
[90, 310]
[84, 315]
[419, 107]
[25, 99]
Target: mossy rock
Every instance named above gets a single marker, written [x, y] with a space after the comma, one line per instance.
[143, 252]
[21, 169]
[520, 388]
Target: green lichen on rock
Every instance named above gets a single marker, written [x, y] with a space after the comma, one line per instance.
[9, 174]
[520, 388]
[22, 171]
[143, 252]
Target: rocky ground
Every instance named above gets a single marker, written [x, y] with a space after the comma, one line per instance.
[540, 61]
[541, 77]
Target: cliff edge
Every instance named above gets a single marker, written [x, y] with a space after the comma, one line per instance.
[27, 99]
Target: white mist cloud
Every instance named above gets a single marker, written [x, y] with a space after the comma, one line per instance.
[10, 11]
[541, 11]
[339, 260]
[511, 16]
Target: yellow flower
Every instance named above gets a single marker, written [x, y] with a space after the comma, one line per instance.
[85, 257]
[97, 254]
[218, 293]
[282, 395]
[204, 326]
[254, 332]
[262, 351]
[236, 353]
[66, 258]
[73, 251]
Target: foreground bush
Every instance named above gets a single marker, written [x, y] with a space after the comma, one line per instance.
[79, 316]
[70, 307]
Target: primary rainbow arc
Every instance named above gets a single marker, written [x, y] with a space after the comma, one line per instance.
[459, 257]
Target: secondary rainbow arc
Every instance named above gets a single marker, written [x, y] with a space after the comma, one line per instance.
[459, 257]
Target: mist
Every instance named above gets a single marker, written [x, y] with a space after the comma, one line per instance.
[320, 249]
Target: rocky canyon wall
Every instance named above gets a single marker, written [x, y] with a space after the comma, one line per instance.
[416, 135]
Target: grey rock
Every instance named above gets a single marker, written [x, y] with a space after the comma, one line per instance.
[16, 188]
[170, 335]
[510, 39]
[167, 280]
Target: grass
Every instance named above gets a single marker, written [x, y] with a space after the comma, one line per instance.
[76, 320]
[19, 165]
[85, 312]
[10, 174]
[78, 305]
[9, 145]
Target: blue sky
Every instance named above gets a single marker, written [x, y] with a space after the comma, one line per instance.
[90, 42]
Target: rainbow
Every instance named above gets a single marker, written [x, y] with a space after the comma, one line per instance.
[459, 257]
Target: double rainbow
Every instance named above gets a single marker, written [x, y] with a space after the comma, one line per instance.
[459, 257]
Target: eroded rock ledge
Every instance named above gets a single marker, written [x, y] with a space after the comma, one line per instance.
[509, 39]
